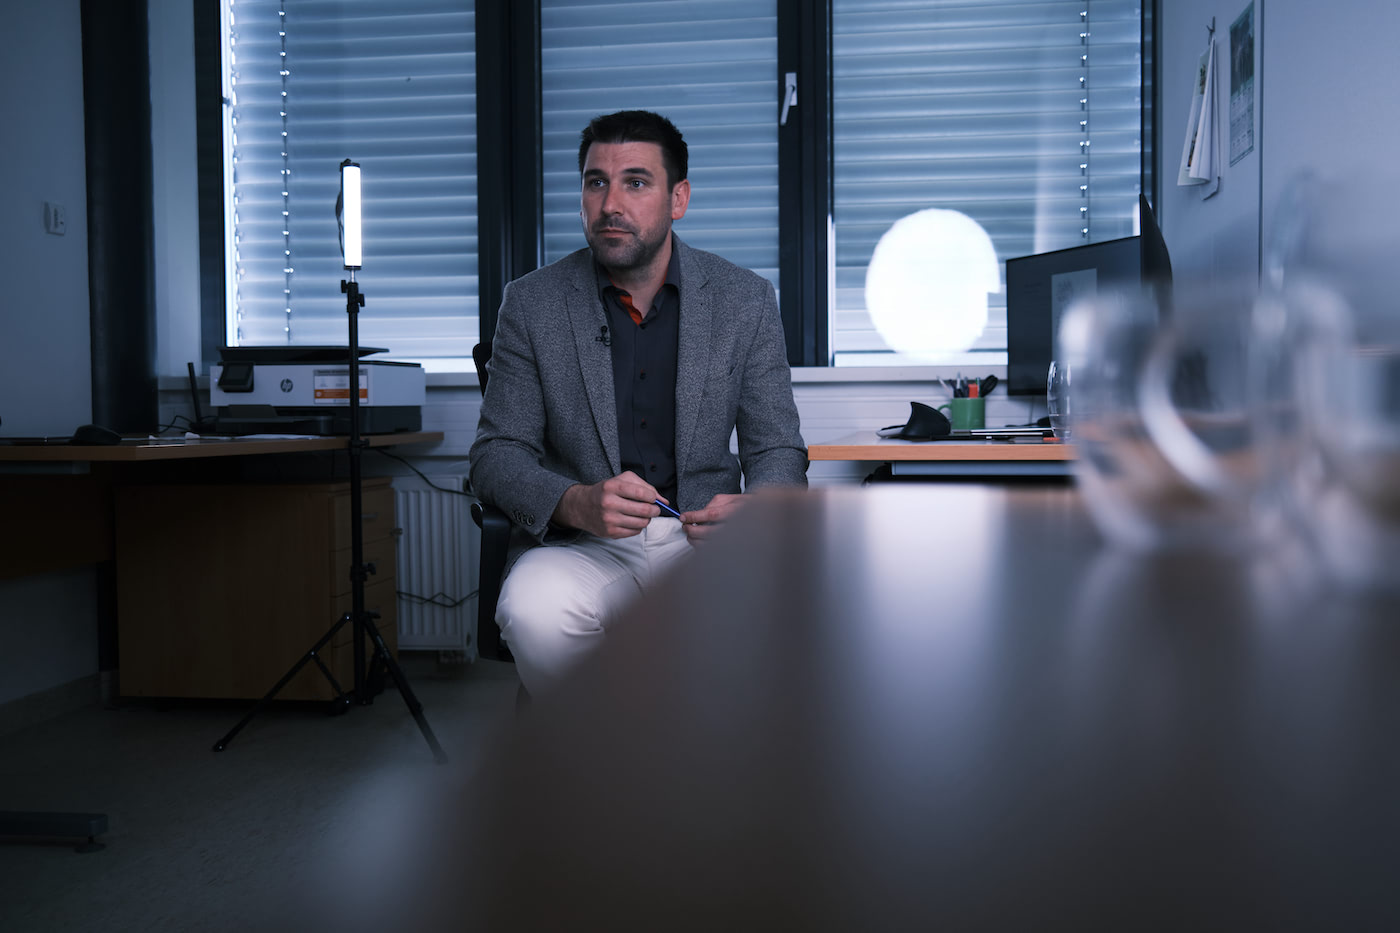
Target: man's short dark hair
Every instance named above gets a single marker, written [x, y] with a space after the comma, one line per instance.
[639, 126]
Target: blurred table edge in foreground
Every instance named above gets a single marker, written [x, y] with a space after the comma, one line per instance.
[940, 706]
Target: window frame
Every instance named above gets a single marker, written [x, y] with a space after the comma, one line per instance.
[804, 206]
[510, 61]
[209, 155]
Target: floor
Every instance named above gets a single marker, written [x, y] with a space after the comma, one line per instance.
[230, 841]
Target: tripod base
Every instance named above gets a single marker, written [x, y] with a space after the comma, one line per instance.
[382, 664]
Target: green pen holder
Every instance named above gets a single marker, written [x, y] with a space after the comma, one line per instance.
[965, 414]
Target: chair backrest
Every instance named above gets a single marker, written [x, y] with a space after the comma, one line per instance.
[480, 354]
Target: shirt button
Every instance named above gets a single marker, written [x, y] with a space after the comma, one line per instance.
[643, 375]
[644, 423]
[653, 468]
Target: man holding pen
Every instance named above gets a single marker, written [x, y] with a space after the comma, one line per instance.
[617, 377]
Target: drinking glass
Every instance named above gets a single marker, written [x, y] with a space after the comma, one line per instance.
[1164, 451]
[1057, 398]
[1330, 259]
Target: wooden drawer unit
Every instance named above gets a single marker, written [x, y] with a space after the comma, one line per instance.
[221, 588]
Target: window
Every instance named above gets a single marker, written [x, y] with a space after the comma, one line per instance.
[309, 84]
[709, 69]
[1025, 116]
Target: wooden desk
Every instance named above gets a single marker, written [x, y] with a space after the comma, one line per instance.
[920, 707]
[219, 585]
[59, 520]
[950, 458]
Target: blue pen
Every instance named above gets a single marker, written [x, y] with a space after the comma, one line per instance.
[667, 508]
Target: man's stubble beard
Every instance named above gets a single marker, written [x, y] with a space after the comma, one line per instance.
[633, 254]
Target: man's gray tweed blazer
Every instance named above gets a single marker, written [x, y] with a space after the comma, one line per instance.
[549, 421]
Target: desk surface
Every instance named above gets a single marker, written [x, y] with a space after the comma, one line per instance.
[944, 707]
[867, 445]
[178, 448]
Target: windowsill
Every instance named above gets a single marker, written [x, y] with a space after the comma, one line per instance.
[805, 375]
[838, 374]
[801, 375]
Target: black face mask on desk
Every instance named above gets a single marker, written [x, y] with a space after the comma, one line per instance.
[924, 424]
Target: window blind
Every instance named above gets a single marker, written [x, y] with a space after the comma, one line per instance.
[708, 67]
[391, 86]
[1024, 115]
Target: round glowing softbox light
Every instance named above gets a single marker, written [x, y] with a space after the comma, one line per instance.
[927, 284]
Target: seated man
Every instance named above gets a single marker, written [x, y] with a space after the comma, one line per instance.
[617, 377]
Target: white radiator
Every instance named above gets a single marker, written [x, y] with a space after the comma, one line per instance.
[437, 561]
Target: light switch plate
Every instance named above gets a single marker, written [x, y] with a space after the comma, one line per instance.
[55, 218]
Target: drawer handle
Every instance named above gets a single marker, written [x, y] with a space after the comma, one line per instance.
[368, 517]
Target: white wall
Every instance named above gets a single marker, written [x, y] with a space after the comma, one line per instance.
[1215, 239]
[1325, 101]
[47, 623]
[45, 351]
[1331, 103]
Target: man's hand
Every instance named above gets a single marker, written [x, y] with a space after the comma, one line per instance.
[618, 507]
[702, 522]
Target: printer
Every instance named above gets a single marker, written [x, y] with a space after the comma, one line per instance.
[306, 390]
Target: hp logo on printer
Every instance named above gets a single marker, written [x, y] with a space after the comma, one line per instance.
[286, 385]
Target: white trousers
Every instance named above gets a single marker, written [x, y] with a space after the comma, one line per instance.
[558, 601]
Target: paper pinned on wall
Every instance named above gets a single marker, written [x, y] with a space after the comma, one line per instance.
[1203, 166]
[1198, 160]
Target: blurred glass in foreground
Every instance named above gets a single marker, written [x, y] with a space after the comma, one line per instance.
[1229, 418]
[1330, 263]
[1161, 416]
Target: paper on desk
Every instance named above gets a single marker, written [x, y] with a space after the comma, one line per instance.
[277, 437]
[191, 436]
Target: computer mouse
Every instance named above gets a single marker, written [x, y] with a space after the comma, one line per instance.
[92, 435]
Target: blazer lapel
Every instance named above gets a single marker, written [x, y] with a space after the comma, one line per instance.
[587, 319]
[693, 352]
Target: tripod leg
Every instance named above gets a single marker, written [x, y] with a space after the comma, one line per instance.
[341, 703]
[382, 655]
[312, 655]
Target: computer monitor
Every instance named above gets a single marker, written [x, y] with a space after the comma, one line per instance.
[1039, 288]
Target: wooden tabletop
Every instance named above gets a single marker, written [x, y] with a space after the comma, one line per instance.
[920, 707]
[867, 445]
[179, 448]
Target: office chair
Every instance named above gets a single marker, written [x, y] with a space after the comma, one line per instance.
[495, 538]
